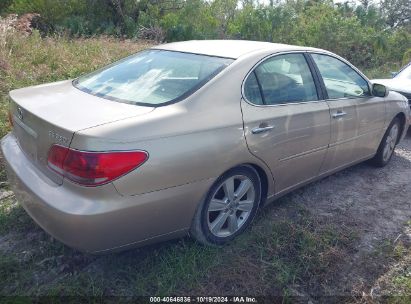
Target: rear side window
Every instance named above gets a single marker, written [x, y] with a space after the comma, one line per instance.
[252, 90]
[281, 79]
[341, 80]
[153, 77]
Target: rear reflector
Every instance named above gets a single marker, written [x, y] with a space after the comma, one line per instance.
[93, 168]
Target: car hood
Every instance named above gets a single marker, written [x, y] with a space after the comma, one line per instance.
[395, 84]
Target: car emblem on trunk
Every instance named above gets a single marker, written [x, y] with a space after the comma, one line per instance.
[58, 138]
[20, 113]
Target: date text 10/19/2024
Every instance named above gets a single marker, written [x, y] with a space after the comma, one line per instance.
[203, 299]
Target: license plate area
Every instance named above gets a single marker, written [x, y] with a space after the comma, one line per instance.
[27, 138]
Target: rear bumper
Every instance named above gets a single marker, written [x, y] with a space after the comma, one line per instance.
[96, 219]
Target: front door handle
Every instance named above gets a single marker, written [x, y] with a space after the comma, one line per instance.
[261, 129]
[339, 114]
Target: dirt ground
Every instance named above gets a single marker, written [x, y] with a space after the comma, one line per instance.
[375, 203]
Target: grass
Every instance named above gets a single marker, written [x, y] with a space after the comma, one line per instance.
[268, 259]
[394, 286]
[161, 271]
[397, 281]
[26, 61]
[265, 260]
[12, 216]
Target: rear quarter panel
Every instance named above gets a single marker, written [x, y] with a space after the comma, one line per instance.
[196, 139]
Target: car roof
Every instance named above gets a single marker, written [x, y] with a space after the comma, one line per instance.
[228, 48]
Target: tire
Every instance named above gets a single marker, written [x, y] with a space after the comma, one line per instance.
[229, 207]
[388, 144]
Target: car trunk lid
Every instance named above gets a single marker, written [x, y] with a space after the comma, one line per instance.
[50, 114]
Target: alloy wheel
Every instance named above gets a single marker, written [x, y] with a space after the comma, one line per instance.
[231, 205]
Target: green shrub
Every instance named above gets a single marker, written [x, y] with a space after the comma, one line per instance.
[361, 34]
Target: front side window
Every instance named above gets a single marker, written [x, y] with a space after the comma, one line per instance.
[152, 77]
[341, 80]
[281, 79]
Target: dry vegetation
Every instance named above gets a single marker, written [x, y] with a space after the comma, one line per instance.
[30, 60]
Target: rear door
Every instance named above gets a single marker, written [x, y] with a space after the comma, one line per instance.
[286, 123]
[357, 117]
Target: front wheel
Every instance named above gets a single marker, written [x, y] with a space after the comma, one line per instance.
[229, 207]
[388, 144]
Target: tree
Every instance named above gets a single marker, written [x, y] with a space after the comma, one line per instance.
[224, 11]
[4, 4]
[396, 12]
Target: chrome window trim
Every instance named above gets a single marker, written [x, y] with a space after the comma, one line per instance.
[280, 104]
[365, 78]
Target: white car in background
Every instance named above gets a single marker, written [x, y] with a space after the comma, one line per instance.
[400, 82]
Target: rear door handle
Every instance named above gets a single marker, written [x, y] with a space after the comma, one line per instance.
[262, 129]
[339, 114]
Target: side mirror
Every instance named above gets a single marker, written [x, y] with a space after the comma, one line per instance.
[393, 74]
[379, 90]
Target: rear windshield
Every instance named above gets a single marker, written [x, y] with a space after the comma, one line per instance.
[153, 77]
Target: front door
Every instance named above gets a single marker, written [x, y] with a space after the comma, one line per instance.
[357, 117]
[286, 124]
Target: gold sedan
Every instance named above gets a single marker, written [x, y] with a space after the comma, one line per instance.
[191, 138]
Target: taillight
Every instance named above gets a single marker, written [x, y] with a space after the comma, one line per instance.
[93, 168]
[10, 116]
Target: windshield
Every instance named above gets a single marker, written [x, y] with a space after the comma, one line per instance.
[405, 73]
[153, 77]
